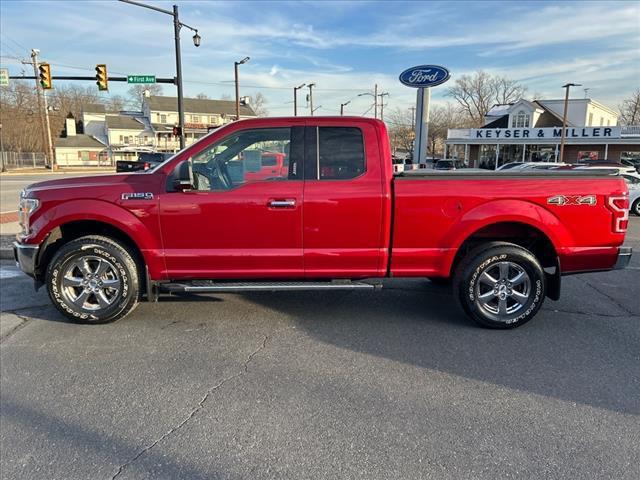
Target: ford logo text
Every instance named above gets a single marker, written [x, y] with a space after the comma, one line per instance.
[424, 76]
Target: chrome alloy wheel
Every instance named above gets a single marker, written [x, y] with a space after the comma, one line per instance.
[502, 289]
[91, 283]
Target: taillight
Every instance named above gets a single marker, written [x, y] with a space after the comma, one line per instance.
[619, 205]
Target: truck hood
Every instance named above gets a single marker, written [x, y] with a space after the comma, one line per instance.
[93, 181]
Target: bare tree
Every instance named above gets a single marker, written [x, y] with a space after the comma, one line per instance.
[257, 103]
[441, 119]
[225, 96]
[135, 94]
[630, 109]
[401, 132]
[115, 103]
[202, 96]
[477, 93]
[20, 115]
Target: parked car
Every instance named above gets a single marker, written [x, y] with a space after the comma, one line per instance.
[634, 201]
[145, 161]
[631, 162]
[618, 167]
[633, 183]
[336, 218]
[530, 165]
[449, 164]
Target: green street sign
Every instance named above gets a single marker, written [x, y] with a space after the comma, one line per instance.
[141, 79]
[4, 77]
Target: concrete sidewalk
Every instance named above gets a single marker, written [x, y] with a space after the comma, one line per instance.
[8, 233]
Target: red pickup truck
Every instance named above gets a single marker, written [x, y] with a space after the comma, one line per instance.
[336, 218]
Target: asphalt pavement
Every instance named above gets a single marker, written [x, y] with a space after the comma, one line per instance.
[396, 384]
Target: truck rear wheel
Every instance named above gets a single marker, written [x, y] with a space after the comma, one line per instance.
[635, 208]
[500, 285]
[93, 279]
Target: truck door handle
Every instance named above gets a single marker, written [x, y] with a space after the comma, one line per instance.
[282, 203]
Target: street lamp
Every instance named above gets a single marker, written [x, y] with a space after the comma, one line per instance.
[177, 25]
[196, 38]
[375, 99]
[295, 99]
[564, 117]
[235, 68]
[342, 105]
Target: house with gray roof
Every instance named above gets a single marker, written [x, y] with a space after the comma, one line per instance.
[201, 116]
[79, 149]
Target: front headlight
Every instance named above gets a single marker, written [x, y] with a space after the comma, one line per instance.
[26, 208]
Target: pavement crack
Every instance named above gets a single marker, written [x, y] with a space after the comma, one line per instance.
[243, 370]
[24, 319]
[615, 302]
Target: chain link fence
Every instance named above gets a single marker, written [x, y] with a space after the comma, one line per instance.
[15, 160]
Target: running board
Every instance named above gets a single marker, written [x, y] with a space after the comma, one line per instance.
[207, 286]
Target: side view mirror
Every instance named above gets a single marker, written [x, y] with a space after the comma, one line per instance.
[183, 177]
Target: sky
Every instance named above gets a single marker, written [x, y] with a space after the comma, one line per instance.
[343, 47]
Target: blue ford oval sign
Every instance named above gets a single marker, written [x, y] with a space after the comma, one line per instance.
[424, 76]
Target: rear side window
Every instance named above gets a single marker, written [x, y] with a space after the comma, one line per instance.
[334, 153]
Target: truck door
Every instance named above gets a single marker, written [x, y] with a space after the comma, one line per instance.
[238, 221]
[343, 201]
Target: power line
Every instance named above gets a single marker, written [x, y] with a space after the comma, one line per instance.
[9, 48]
[15, 42]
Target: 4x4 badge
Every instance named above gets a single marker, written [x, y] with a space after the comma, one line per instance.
[137, 196]
[563, 200]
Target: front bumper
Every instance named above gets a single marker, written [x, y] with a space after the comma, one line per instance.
[26, 256]
[624, 257]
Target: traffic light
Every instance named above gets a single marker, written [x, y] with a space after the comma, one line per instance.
[177, 131]
[102, 80]
[45, 76]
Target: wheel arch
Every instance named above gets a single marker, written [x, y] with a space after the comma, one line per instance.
[66, 232]
[520, 233]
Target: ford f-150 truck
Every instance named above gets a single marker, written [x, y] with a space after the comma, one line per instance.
[337, 217]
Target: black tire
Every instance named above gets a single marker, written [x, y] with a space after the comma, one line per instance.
[93, 279]
[500, 285]
[635, 208]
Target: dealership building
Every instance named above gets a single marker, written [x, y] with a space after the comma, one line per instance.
[530, 131]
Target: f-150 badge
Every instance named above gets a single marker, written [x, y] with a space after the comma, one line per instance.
[563, 200]
[137, 196]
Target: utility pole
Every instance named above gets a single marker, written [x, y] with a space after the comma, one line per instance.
[564, 117]
[413, 117]
[295, 99]
[44, 110]
[1, 151]
[382, 95]
[375, 101]
[311, 85]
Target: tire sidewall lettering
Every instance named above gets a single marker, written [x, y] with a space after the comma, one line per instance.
[55, 282]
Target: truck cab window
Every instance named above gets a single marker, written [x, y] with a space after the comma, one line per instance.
[334, 153]
[245, 157]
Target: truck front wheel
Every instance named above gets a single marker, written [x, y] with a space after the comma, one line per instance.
[500, 285]
[93, 279]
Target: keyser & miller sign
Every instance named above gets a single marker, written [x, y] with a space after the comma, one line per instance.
[424, 76]
[545, 133]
